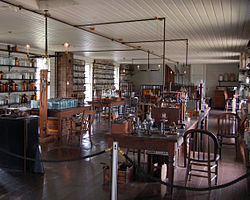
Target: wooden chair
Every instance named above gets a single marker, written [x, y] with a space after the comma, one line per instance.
[228, 127]
[201, 149]
[85, 123]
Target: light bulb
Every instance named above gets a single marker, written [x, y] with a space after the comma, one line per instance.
[27, 46]
[66, 45]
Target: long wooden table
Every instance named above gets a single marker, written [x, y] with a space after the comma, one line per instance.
[107, 103]
[60, 114]
[156, 142]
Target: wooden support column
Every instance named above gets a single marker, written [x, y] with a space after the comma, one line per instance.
[43, 103]
[201, 87]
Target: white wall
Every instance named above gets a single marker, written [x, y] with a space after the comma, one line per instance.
[213, 71]
[209, 73]
[147, 78]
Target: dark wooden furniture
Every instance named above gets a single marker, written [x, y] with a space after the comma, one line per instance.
[20, 136]
[172, 114]
[159, 158]
[169, 77]
[228, 127]
[61, 114]
[219, 100]
[202, 150]
[86, 122]
[159, 143]
[107, 103]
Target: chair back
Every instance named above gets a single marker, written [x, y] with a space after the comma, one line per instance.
[90, 116]
[228, 125]
[201, 145]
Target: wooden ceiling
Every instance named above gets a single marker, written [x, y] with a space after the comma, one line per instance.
[217, 30]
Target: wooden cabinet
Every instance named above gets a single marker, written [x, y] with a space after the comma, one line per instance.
[70, 76]
[219, 99]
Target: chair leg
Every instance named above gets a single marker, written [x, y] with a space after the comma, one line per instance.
[187, 172]
[209, 175]
[220, 146]
[216, 173]
[236, 147]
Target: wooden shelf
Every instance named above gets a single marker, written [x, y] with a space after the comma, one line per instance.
[81, 65]
[78, 71]
[78, 83]
[98, 68]
[4, 79]
[103, 73]
[19, 91]
[79, 77]
[79, 90]
[18, 66]
[98, 78]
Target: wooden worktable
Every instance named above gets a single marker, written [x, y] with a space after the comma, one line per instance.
[156, 142]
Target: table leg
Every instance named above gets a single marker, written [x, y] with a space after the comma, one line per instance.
[139, 157]
[170, 172]
[60, 128]
[206, 123]
[202, 124]
[90, 137]
[110, 118]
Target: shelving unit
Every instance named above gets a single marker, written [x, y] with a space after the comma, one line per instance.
[17, 77]
[103, 76]
[155, 90]
[125, 82]
[79, 78]
[244, 75]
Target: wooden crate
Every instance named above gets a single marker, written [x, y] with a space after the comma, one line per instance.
[123, 176]
[118, 128]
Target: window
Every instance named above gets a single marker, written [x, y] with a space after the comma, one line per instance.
[116, 77]
[88, 82]
[42, 63]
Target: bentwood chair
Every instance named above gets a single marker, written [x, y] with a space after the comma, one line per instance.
[228, 128]
[201, 148]
[84, 124]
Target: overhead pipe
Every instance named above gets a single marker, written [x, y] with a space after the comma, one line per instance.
[46, 32]
[120, 22]
[164, 49]
[171, 40]
[148, 61]
[150, 41]
[102, 50]
[186, 52]
[89, 31]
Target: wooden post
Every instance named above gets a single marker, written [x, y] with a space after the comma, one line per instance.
[201, 87]
[43, 102]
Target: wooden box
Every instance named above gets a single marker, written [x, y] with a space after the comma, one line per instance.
[121, 128]
[125, 174]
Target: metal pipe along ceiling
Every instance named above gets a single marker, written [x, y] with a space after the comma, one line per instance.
[89, 31]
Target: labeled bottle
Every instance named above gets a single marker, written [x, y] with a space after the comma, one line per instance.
[16, 61]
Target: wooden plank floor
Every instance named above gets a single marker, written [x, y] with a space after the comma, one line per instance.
[84, 179]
